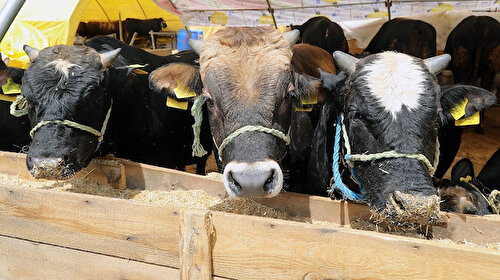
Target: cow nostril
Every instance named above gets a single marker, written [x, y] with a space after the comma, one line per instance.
[29, 161]
[268, 185]
[237, 186]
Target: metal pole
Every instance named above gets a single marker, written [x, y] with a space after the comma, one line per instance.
[8, 14]
[272, 13]
[388, 4]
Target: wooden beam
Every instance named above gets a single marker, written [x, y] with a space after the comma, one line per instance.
[21, 259]
[263, 248]
[244, 247]
[109, 226]
[196, 231]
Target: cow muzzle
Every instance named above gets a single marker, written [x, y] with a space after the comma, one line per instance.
[255, 179]
[48, 168]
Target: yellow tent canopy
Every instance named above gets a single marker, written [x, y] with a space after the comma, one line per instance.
[43, 23]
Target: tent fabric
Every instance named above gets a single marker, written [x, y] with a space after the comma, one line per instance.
[104, 10]
[43, 23]
[39, 25]
[286, 12]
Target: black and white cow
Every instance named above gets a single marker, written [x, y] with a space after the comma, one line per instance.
[392, 102]
[75, 94]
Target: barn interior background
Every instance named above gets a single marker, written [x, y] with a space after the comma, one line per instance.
[39, 24]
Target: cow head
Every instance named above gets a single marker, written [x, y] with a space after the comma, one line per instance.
[392, 101]
[246, 78]
[66, 83]
[461, 194]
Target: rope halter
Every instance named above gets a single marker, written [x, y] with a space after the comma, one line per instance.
[248, 128]
[86, 128]
[351, 158]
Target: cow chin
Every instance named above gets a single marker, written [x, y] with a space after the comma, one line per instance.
[407, 209]
[253, 179]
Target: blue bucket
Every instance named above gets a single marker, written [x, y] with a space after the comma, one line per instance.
[182, 38]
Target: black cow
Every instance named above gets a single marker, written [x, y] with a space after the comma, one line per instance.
[129, 26]
[133, 55]
[392, 103]
[251, 87]
[474, 46]
[324, 33]
[15, 130]
[468, 194]
[409, 36]
[77, 84]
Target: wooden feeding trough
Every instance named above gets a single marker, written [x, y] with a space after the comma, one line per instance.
[47, 234]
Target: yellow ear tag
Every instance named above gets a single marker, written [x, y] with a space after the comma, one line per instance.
[8, 98]
[471, 120]
[465, 179]
[459, 110]
[11, 88]
[306, 109]
[308, 100]
[182, 92]
[140, 72]
[172, 103]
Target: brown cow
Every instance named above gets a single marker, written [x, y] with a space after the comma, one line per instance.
[251, 84]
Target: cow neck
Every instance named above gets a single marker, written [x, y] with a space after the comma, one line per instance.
[350, 158]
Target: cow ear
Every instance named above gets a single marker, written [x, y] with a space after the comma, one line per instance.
[177, 80]
[306, 88]
[15, 74]
[478, 99]
[333, 83]
[119, 74]
[463, 170]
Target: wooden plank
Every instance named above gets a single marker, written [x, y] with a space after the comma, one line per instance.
[262, 248]
[110, 226]
[245, 247]
[196, 231]
[457, 227]
[20, 259]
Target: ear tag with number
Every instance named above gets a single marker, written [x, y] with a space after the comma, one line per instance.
[309, 100]
[459, 110]
[172, 103]
[182, 92]
[305, 109]
[474, 119]
[11, 87]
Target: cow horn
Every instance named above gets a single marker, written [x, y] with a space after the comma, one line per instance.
[345, 61]
[108, 57]
[195, 45]
[31, 52]
[436, 64]
[292, 36]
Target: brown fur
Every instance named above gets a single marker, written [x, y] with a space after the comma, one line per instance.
[458, 199]
[307, 59]
[168, 77]
[251, 53]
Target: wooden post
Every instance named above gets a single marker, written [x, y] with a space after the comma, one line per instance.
[120, 27]
[131, 43]
[196, 232]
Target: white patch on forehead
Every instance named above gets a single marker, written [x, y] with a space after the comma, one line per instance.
[62, 66]
[395, 80]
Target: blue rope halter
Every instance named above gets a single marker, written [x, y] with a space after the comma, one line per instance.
[337, 177]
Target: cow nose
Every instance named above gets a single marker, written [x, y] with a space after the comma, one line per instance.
[45, 167]
[466, 206]
[255, 179]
